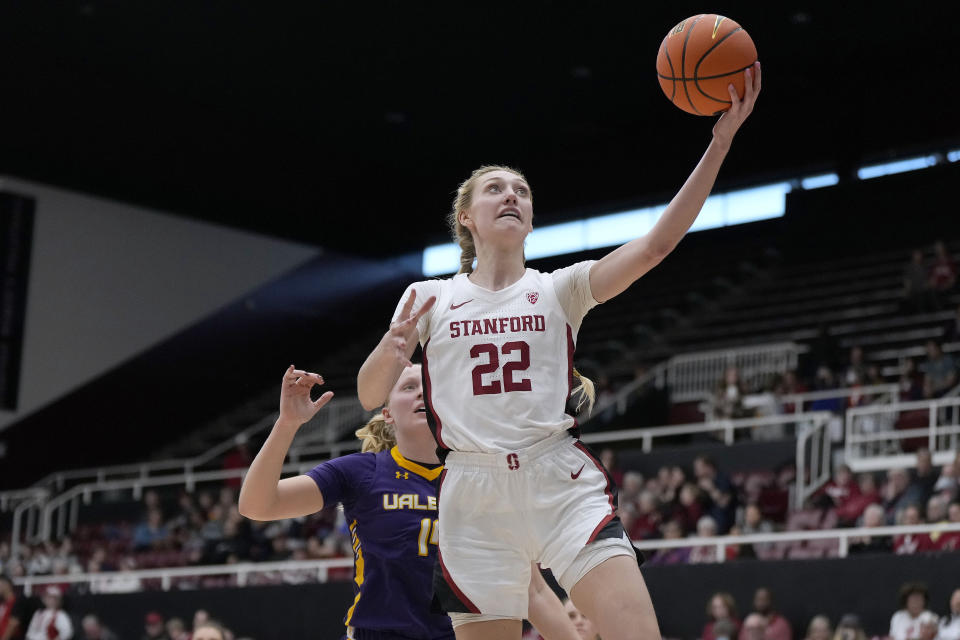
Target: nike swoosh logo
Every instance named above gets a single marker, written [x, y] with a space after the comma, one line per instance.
[457, 306]
[574, 476]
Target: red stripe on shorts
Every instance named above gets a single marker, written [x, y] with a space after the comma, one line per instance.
[608, 490]
[446, 574]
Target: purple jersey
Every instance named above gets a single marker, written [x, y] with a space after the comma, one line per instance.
[391, 508]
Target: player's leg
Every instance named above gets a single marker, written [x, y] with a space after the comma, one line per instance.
[614, 596]
[490, 630]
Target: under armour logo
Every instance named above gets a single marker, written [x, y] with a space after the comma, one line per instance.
[403, 474]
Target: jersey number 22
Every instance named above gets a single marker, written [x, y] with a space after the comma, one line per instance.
[493, 363]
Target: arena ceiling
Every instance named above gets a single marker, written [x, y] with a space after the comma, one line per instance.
[348, 124]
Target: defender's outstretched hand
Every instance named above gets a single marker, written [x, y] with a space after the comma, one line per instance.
[296, 407]
[729, 123]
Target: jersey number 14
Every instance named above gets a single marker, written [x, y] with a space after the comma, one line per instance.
[493, 364]
[429, 534]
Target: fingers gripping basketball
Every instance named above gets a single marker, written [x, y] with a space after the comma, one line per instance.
[699, 58]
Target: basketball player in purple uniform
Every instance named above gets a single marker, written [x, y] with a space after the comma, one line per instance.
[389, 498]
[498, 342]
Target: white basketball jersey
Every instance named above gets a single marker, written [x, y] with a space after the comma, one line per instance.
[498, 365]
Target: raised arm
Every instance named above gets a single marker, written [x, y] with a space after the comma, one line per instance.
[545, 610]
[264, 496]
[382, 368]
[620, 268]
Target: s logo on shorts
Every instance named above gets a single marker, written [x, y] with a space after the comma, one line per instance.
[513, 462]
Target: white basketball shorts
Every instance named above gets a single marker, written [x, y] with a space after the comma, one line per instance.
[552, 503]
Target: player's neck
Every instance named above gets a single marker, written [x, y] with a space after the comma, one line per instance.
[497, 268]
[425, 452]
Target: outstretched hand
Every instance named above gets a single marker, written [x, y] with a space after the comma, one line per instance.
[729, 123]
[404, 328]
[296, 407]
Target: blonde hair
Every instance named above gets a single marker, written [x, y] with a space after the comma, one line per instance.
[462, 201]
[586, 390]
[377, 435]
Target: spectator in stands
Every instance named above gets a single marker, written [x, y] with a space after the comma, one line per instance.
[907, 623]
[721, 608]
[940, 369]
[200, 617]
[949, 541]
[754, 522]
[581, 623]
[631, 487]
[856, 371]
[943, 273]
[910, 543]
[689, 507]
[917, 294]
[924, 475]
[177, 630]
[868, 494]
[947, 484]
[153, 627]
[51, 622]
[238, 458]
[608, 457]
[13, 614]
[776, 626]
[151, 533]
[899, 493]
[819, 628]
[703, 554]
[671, 530]
[936, 509]
[824, 381]
[911, 381]
[873, 516]
[728, 398]
[93, 629]
[648, 517]
[717, 486]
[950, 623]
[841, 490]
[791, 385]
[754, 627]
[209, 631]
[849, 628]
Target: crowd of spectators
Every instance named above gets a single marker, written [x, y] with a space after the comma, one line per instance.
[205, 528]
[46, 618]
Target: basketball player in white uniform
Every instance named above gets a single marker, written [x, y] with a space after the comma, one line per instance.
[498, 342]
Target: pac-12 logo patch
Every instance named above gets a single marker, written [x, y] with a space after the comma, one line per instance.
[532, 297]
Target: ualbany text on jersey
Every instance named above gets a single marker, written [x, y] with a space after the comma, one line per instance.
[393, 501]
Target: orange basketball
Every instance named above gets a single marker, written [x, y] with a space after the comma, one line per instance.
[699, 58]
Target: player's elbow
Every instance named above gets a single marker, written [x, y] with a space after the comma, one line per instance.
[251, 508]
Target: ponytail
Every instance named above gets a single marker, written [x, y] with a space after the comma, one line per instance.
[376, 435]
[586, 389]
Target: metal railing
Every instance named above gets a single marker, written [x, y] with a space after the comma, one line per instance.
[690, 375]
[694, 376]
[843, 537]
[326, 426]
[243, 572]
[873, 442]
[880, 393]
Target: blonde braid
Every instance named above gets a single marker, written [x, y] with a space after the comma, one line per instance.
[586, 389]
